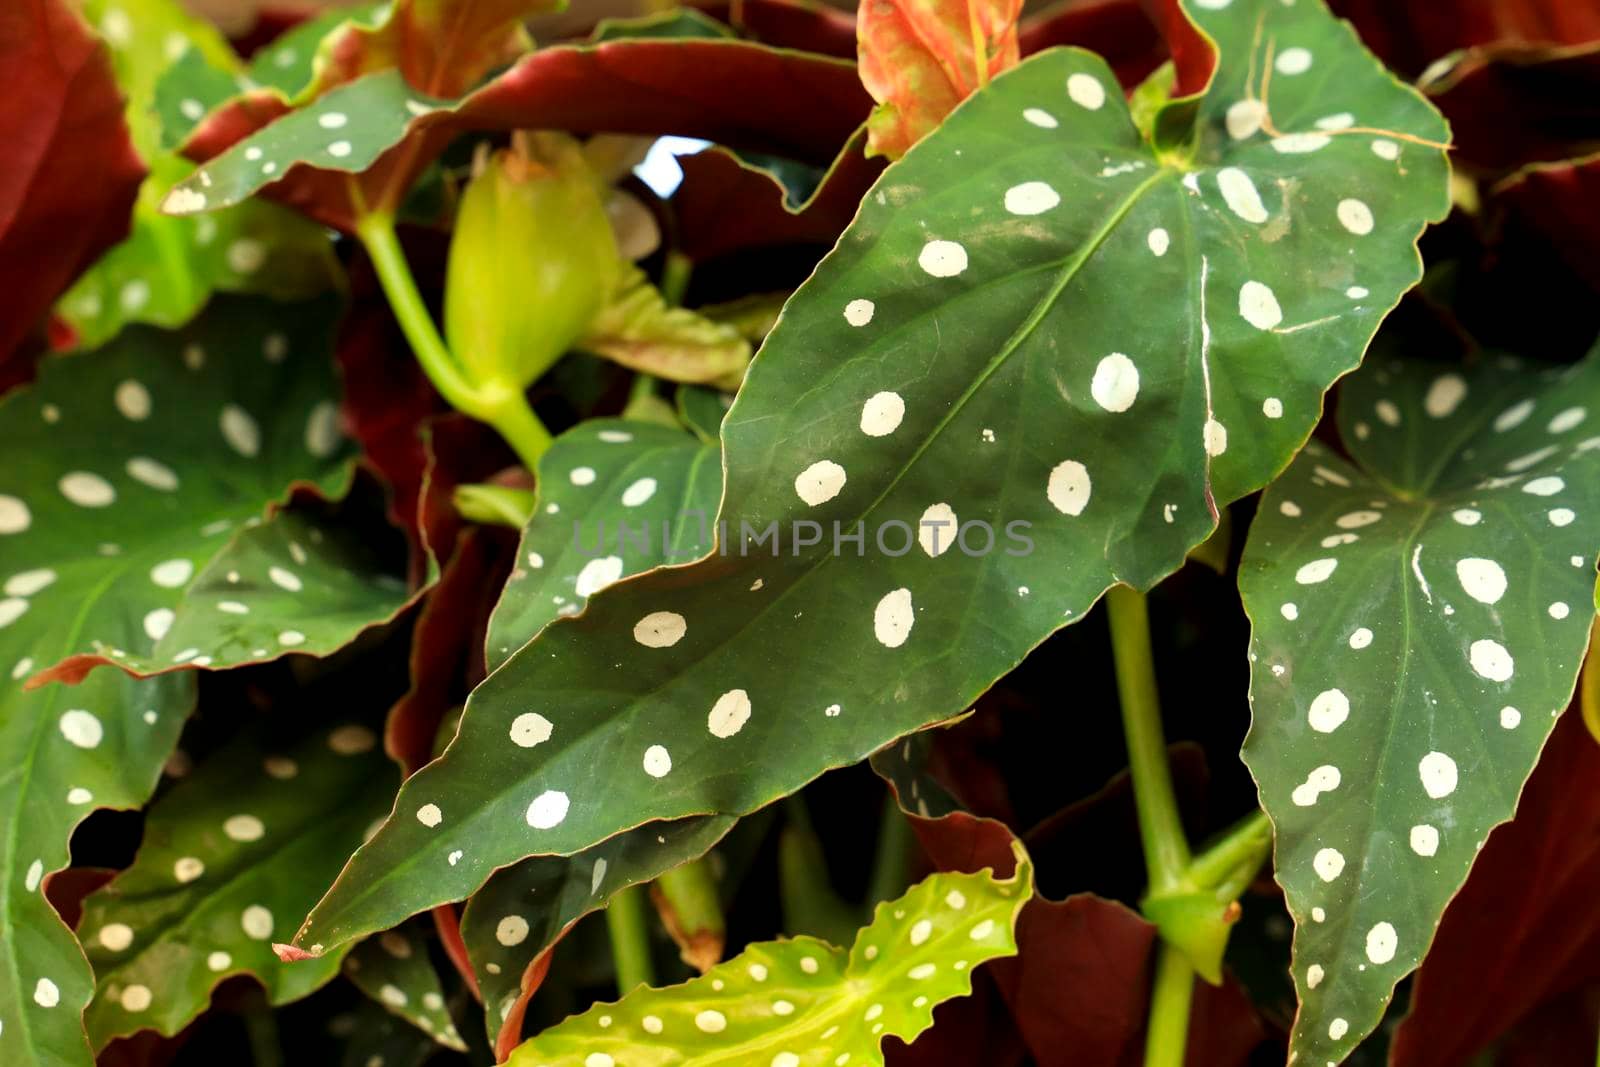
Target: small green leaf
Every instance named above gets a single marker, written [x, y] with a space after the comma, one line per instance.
[146, 37]
[1419, 617]
[231, 855]
[288, 62]
[803, 1000]
[295, 583]
[395, 970]
[702, 410]
[639, 330]
[964, 355]
[615, 498]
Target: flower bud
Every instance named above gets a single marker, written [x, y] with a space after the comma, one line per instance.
[532, 260]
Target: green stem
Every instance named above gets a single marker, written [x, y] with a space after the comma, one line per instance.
[675, 274]
[630, 939]
[810, 903]
[1166, 850]
[693, 912]
[501, 405]
[261, 1032]
[891, 866]
[1168, 1031]
[643, 387]
[1239, 852]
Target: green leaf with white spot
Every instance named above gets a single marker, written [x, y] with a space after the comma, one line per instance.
[145, 38]
[167, 268]
[615, 498]
[803, 1000]
[1419, 618]
[119, 473]
[345, 129]
[395, 970]
[138, 475]
[965, 353]
[231, 854]
[602, 474]
[288, 62]
[69, 751]
[298, 582]
[526, 908]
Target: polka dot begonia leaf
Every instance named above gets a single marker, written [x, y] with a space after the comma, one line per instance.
[597, 476]
[124, 477]
[144, 485]
[96, 745]
[769, 99]
[1419, 618]
[615, 498]
[804, 1001]
[966, 353]
[526, 908]
[231, 855]
[395, 970]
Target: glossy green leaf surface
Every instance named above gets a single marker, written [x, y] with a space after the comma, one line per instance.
[142, 476]
[958, 358]
[1419, 618]
[345, 129]
[97, 745]
[230, 855]
[394, 969]
[101, 530]
[597, 476]
[615, 498]
[804, 1001]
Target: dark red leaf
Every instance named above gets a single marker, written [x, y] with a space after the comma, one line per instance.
[447, 644]
[1079, 985]
[1410, 34]
[1192, 54]
[71, 174]
[785, 24]
[1525, 927]
[1119, 30]
[1560, 201]
[1560, 1034]
[1513, 105]
[66, 889]
[725, 206]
